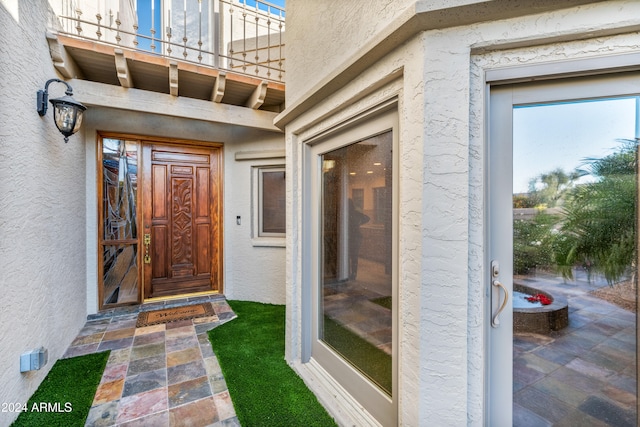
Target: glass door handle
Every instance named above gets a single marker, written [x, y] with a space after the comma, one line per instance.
[495, 321]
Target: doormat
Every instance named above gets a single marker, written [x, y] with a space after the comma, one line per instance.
[156, 317]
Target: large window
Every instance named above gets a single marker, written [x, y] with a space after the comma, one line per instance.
[355, 285]
[353, 188]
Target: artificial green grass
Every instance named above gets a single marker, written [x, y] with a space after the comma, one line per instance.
[264, 389]
[369, 359]
[66, 394]
[383, 302]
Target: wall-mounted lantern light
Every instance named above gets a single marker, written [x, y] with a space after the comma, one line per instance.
[67, 112]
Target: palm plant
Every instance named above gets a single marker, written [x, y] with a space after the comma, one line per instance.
[550, 189]
[599, 228]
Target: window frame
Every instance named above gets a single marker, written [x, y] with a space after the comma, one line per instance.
[377, 120]
[259, 236]
[103, 241]
[505, 94]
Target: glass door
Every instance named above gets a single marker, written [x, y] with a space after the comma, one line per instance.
[562, 284]
[118, 222]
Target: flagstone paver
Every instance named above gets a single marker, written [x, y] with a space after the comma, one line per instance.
[160, 375]
[582, 375]
[168, 375]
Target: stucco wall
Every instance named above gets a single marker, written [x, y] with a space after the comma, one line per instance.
[42, 202]
[442, 334]
[316, 53]
[407, 87]
[250, 273]
[352, 25]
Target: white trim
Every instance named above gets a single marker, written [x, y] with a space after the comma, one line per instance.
[368, 123]
[258, 155]
[269, 242]
[258, 237]
[560, 69]
[564, 89]
[332, 395]
[353, 120]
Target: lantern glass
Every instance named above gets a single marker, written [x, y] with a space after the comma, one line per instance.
[67, 115]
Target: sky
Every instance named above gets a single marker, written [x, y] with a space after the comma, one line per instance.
[144, 16]
[554, 136]
[276, 2]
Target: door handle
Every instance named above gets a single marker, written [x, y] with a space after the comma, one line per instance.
[147, 242]
[495, 321]
[495, 273]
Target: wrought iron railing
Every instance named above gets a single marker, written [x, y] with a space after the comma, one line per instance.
[244, 36]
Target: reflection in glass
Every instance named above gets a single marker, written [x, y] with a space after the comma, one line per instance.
[574, 243]
[120, 278]
[120, 185]
[273, 202]
[119, 205]
[356, 253]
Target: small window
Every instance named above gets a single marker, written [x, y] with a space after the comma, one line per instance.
[271, 202]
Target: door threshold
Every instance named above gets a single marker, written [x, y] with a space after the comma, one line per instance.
[180, 296]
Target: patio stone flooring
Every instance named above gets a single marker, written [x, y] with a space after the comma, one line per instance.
[168, 375]
[350, 303]
[583, 375]
[161, 375]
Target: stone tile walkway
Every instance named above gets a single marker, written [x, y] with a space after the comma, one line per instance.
[583, 375]
[168, 375]
[162, 375]
[350, 303]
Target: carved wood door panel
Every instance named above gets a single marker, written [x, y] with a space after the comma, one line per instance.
[182, 220]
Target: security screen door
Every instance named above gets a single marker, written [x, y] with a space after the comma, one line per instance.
[561, 268]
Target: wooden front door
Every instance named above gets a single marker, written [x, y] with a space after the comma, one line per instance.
[182, 217]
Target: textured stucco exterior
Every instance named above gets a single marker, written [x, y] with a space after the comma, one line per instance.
[317, 56]
[253, 271]
[42, 203]
[48, 195]
[438, 75]
[408, 50]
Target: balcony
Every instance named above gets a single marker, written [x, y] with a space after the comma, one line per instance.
[224, 51]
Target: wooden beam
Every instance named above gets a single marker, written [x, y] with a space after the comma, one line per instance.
[218, 87]
[198, 69]
[173, 78]
[162, 104]
[256, 99]
[122, 68]
[61, 59]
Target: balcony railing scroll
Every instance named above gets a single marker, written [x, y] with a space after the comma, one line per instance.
[244, 36]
